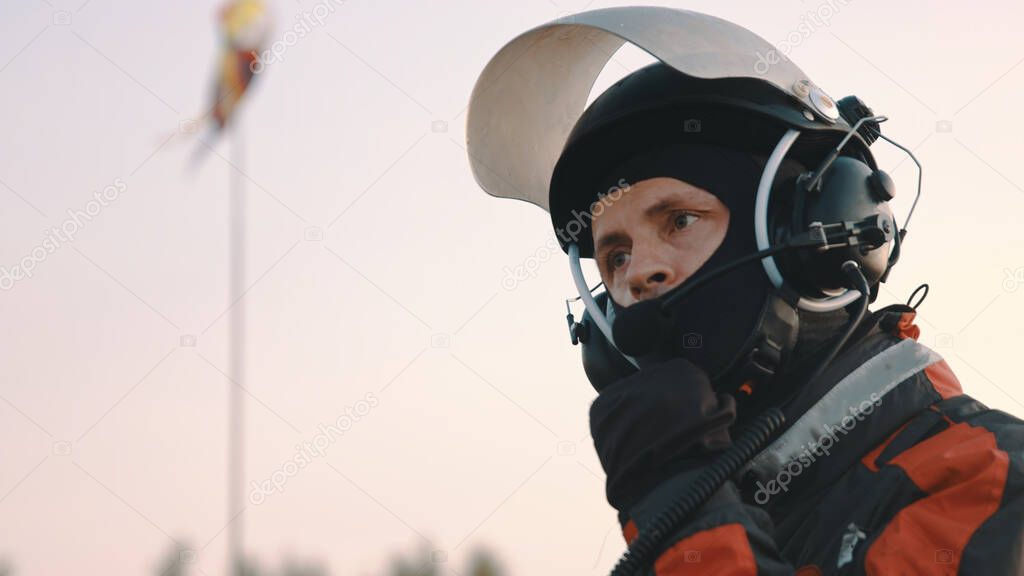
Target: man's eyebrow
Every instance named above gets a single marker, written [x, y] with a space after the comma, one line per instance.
[668, 204]
[611, 239]
[658, 207]
[661, 206]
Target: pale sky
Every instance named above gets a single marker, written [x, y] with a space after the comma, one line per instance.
[375, 276]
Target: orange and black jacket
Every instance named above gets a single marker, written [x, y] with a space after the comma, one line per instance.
[892, 470]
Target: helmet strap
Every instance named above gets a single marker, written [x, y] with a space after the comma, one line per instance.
[767, 347]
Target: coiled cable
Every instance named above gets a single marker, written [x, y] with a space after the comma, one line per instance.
[642, 550]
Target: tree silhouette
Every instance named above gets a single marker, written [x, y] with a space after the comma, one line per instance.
[425, 562]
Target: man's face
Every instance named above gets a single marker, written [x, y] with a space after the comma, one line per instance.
[655, 236]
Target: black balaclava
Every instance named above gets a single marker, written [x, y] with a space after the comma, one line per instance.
[715, 320]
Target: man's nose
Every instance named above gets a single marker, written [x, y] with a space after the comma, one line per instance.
[649, 276]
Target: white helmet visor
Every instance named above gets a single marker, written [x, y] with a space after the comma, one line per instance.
[532, 92]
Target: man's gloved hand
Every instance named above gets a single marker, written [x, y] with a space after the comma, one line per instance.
[655, 423]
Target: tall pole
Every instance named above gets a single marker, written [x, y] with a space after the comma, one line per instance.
[236, 413]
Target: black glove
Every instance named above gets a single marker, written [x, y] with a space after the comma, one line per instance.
[655, 423]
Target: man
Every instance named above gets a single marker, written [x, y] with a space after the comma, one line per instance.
[741, 227]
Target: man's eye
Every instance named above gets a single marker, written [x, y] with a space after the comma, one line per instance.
[617, 260]
[684, 219]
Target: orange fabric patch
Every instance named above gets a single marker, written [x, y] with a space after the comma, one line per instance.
[630, 532]
[869, 459]
[721, 551]
[964, 472]
[943, 380]
[810, 570]
[906, 328]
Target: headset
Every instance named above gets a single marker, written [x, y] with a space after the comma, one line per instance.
[815, 235]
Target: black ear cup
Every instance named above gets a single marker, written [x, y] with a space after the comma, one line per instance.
[849, 194]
